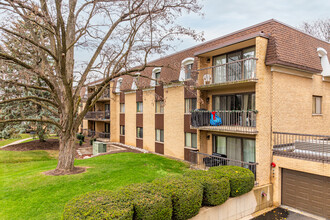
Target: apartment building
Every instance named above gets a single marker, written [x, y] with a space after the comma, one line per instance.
[270, 86]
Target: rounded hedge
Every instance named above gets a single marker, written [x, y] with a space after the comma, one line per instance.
[241, 179]
[215, 191]
[186, 194]
[99, 205]
[148, 201]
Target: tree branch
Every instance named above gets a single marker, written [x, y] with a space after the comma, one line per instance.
[27, 98]
[49, 121]
[31, 41]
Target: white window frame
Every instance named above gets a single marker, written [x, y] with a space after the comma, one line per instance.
[139, 105]
[158, 135]
[153, 75]
[190, 136]
[122, 110]
[317, 110]
[137, 132]
[161, 107]
[187, 61]
[118, 85]
[122, 130]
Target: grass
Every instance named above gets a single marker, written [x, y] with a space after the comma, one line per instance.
[9, 141]
[28, 194]
[26, 141]
[23, 156]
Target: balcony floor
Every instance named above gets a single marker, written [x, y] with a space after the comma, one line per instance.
[231, 84]
[97, 119]
[229, 129]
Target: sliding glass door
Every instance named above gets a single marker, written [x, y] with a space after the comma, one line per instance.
[235, 148]
[219, 72]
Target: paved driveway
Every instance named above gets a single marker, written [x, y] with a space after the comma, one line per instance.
[282, 214]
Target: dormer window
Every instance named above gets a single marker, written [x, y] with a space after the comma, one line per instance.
[119, 82]
[155, 76]
[186, 68]
[135, 81]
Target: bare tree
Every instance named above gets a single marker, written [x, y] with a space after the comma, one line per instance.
[319, 28]
[119, 35]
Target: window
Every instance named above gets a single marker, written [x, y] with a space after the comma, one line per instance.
[188, 69]
[107, 107]
[317, 104]
[159, 106]
[190, 105]
[244, 102]
[157, 77]
[139, 107]
[139, 132]
[191, 140]
[107, 128]
[233, 70]
[160, 135]
[242, 149]
[122, 129]
[122, 107]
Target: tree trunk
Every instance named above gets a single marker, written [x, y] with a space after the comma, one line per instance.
[67, 152]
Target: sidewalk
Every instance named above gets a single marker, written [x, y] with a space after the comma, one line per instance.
[16, 142]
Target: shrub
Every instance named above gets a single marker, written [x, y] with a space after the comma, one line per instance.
[92, 140]
[186, 195]
[99, 205]
[241, 179]
[148, 201]
[81, 137]
[215, 191]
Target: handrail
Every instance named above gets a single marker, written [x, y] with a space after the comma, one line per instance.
[237, 61]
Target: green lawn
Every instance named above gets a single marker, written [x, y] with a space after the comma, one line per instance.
[50, 137]
[28, 194]
[9, 141]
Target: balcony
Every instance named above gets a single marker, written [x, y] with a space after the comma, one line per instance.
[104, 96]
[228, 74]
[204, 161]
[302, 146]
[95, 134]
[235, 121]
[98, 115]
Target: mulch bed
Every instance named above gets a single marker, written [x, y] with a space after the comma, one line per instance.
[76, 170]
[50, 144]
[53, 144]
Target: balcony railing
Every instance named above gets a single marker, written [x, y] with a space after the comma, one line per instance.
[98, 115]
[240, 70]
[204, 161]
[95, 134]
[105, 95]
[232, 121]
[302, 146]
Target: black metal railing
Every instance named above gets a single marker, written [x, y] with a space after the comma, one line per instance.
[236, 120]
[95, 134]
[302, 146]
[91, 133]
[99, 115]
[103, 134]
[239, 70]
[204, 161]
[105, 95]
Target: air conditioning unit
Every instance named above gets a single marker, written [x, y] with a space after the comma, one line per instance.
[99, 147]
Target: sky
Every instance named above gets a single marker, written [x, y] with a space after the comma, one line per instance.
[225, 16]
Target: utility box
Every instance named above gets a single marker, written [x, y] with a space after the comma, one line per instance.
[99, 147]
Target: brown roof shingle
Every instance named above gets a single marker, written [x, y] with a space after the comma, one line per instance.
[286, 46]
